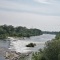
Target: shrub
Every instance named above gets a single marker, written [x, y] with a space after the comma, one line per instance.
[31, 45]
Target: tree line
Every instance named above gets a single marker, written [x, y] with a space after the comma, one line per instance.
[19, 31]
[50, 32]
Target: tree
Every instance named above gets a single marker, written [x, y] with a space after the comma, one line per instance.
[9, 30]
[51, 50]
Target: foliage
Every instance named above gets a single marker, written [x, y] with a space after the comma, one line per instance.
[38, 55]
[57, 36]
[3, 36]
[51, 50]
[19, 31]
[31, 45]
[49, 32]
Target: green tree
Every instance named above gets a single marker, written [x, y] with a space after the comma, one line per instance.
[9, 30]
[51, 50]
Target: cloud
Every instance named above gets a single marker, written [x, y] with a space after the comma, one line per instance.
[48, 1]
[32, 7]
[25, 13]
[29, 20]
[42, 1]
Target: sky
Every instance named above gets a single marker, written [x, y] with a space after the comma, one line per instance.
[40, 14]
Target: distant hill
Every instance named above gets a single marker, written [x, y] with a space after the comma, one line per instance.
[49, 32]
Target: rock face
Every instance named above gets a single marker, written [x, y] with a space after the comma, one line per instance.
[8, 54]
[3, 51]
[12, 55]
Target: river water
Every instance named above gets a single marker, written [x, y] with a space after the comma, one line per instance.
[20, 45]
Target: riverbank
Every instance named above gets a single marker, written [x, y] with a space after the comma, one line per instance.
[12, 55]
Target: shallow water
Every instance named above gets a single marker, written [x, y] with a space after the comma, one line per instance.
[4, 43]
[2, 58]
[20, 45]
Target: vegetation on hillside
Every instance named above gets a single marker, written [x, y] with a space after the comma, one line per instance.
[51, 50]
[19, 31]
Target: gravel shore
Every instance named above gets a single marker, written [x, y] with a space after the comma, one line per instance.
[12, 55]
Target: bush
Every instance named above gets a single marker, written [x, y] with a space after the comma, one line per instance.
[52, 49]
[50, 52]
[3, 36]
[31, 45]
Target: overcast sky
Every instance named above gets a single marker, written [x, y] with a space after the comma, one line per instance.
[41, 14]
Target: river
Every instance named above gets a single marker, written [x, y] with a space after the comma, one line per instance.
[20, 45]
